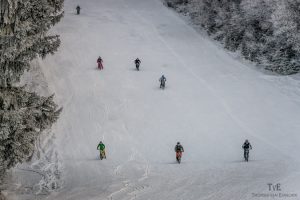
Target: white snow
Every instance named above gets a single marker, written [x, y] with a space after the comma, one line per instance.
[211, 104]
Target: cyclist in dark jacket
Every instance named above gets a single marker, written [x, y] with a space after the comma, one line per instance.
[246, 146]
[162, 81]
[137, 63]
[178, 149]
[78, 10]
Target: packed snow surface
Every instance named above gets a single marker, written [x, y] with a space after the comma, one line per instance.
[211, 104]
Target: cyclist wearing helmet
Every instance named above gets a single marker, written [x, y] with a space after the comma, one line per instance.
[100, 63]
[246, 146]
[162, 81]
[101, 148]
[137, 62]
[178, 149]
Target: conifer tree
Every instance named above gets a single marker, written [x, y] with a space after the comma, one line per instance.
[23, 34]
[23, 37]
[23, 116]
[266, 32]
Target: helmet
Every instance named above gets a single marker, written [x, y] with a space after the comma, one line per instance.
[100, 142]
[178, 142]
[246, 141]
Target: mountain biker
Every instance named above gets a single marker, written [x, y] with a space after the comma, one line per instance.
[246, 146]
[178, 149]
[137, 62]
[78, 9]
[101, 148]
[162, 81]
[99, 61]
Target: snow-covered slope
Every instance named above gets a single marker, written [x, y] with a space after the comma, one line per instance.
[211, 104]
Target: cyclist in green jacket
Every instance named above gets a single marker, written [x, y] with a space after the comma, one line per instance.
[101, 148]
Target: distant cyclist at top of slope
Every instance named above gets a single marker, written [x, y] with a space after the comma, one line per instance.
[78, 9]
[246, 146]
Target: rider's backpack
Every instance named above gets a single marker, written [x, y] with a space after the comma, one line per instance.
[178, 147]
[246, 145]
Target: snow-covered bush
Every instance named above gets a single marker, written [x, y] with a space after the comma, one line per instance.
[264, 31]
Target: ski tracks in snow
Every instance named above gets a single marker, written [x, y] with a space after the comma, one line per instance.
[128, 192]
[99, 105]
[131, 188]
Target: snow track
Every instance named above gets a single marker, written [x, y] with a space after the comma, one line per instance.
[211, 103]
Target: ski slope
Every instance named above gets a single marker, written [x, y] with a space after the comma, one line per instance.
[211, 104]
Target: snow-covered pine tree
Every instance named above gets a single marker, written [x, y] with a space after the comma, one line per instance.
[23, 116]
[173, 3]
[283, 46]
[209, 15]
[23, 34]
[23, 37]
[256, 15]
[232, 30]
[264, 31]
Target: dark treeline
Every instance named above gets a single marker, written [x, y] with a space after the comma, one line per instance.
[263, 31]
